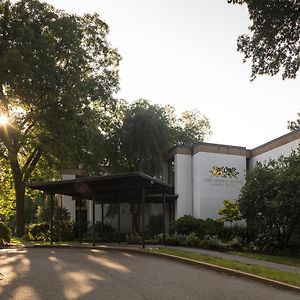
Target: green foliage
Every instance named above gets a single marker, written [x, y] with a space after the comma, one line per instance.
[57, 75]
[273, 44]
[4, 234]
[230, 212]
[191, 127]
[209, 227]
[133, 238]
[270, 201]
[138, 135]
[38, 231]
[143, 139]
[186, 224]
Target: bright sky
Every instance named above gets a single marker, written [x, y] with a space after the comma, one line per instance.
[183, 52]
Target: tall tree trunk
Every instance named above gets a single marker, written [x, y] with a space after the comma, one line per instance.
[20, 195]
[20, 207]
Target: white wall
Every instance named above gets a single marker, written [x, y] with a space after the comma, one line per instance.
[67, 201]
[210, 191]
[183, 185]
[274, 153]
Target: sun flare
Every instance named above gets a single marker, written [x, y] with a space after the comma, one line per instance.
[3, 120]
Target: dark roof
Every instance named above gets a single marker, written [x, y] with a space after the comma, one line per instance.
[107, 187]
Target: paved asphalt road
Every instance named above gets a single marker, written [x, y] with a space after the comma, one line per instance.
[95, 274]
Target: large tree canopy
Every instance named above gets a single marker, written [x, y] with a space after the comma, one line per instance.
[139, 134]
[273, 44]
[57, 71]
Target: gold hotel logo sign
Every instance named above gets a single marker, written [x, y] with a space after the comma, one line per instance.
[224, 172]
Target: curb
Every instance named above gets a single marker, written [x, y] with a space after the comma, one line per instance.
[196, 263]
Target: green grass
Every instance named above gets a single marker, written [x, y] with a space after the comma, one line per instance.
[282, 276]
[291, 261]
[20, 241]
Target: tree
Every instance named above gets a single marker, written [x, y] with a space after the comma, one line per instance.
[270, 201]
[139, 134]
[56, 72]
[274, 43]
[230, 212]
[189, 128]
[144, 137]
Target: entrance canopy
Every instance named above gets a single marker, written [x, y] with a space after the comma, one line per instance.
[128, 187]
[107, 188]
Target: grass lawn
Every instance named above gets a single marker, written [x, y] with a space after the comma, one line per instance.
[291, 261]
[282, 276]
[20, 241]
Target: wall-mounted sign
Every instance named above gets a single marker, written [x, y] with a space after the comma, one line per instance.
[224, 172]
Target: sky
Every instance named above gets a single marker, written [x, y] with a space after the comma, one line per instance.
[183, 53]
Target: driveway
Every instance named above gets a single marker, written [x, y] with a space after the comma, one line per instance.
[33, 273]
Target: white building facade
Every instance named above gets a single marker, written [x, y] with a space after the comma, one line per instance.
[205, 174]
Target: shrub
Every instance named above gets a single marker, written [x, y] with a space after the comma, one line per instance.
[175, 239]
[210, 227]
[63, 225]
[269, 201]
[186, 225]
[192, 240]
[235, 243]
[107, 234]
[201, 228]
[39, 231]
[213, 242]
[4, 234]
[133, 238]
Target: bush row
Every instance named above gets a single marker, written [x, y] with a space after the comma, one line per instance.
[187, 225]
[192, 240]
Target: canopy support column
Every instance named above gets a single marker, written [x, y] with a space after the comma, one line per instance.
[102, 220]
[119, 221]
[79, 219]
[93, 217]
[143, 215]
[164, 218]
[51, 217]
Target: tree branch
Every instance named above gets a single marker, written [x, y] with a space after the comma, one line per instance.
[34, 159]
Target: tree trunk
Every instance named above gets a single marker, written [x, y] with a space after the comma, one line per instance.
[20, 195]
[20, 207]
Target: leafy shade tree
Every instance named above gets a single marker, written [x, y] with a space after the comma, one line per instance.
[144, 137]
[140, 134]
[273, 44]
[56, 73]
[270, 201]
[230, 212]
[191, 127]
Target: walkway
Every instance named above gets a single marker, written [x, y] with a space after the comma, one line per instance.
[242, 259]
